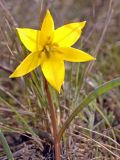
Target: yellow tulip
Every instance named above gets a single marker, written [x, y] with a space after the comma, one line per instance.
[49, 48]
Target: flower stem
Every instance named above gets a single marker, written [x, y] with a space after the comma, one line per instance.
[54, 124]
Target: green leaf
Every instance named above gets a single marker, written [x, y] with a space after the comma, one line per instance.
[6, 146]
[93, 95]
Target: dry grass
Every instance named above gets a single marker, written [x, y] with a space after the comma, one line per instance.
[89, 137]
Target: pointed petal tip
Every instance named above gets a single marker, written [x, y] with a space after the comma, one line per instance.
[17, 29]
[93, 58]
[48, 12]
[14, 75]
[83, 24]
[57, 88]
[11, 76]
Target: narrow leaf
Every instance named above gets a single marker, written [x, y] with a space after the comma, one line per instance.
[6, 146]
[93, 95]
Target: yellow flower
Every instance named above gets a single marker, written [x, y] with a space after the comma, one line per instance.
[49, 48]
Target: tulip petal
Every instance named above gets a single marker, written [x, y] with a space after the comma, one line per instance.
[47, 29]
[68, 34]
[73, 55]
[29, 37]
[54, 72]
[32, 61]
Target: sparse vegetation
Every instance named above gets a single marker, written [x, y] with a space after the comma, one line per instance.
[93, 88]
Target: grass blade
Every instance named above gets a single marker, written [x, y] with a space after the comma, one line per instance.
[6, 146]
[28, 128]
[92, 95]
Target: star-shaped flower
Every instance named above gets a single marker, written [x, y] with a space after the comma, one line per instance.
[49, 48]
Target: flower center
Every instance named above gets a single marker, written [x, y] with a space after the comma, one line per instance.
[49, 49]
